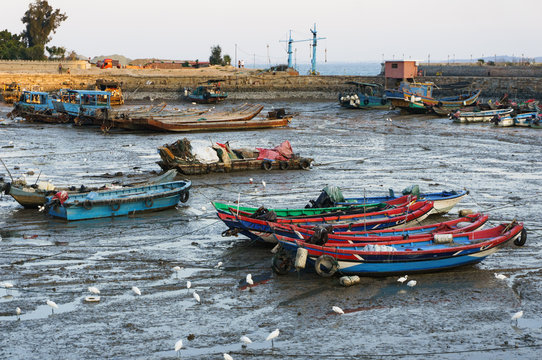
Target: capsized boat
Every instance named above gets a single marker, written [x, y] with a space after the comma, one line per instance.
[34, 196]
[443, 251]
[109, 203]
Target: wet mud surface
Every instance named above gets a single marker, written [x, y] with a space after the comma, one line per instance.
[460, 314]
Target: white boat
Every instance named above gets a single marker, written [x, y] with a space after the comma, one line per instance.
[478, 116]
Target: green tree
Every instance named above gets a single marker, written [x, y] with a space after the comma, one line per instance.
[227, 60]
[56, 52]
[216, 55]
[11, 46]
[40, 20]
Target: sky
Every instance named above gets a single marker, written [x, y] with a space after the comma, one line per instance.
[355, 31]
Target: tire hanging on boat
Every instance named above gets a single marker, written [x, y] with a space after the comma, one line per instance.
[281, 262]
[149, 203]
[115, 206]
[329, 263]
[267, 165]
[87, 204]
[304, 164]
[366, 102]
[184, 196]
[520, 241]
[284, 165]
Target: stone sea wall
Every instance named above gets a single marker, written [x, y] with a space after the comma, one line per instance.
[266, 86]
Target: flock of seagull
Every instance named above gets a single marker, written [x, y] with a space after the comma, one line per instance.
[244, 339]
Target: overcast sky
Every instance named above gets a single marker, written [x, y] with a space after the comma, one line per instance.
[356, 30]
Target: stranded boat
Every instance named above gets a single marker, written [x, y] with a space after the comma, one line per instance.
[364, 96]
[200, 158]
[110, 203]
[207, 94]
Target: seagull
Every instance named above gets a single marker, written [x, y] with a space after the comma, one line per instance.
[249, 279]
[227, 357]
[275, 333]
[196, 296]
[263, 183]
[337, 309]
[53, 306]
[500, 276]
[177, 269]
[412, 283]
[178, 346]
[18, 312]
[245, 340]
[85, 160]
[6, 285]
[136, 290]
[517, 315]
[188, 284]
[93, 290]
[203, 208]
[11, 142]
[218, 265]
[402, 279]
[389, 119]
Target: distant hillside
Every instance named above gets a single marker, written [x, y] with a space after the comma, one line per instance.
[122, 59]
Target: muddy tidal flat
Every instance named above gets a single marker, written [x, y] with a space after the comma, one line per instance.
[459, 314]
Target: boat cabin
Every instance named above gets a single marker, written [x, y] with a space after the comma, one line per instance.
[37, 100]
[11, 92]
[82, 102]
[114, 87]
[208, 93]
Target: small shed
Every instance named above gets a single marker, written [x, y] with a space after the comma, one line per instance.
[400, 70]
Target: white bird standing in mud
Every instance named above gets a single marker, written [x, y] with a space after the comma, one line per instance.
[178, 346]
[218, 265]
[6, 285]
[249, 279]
[412, 283]
[53, 305]
[275, 333]
[402, 279]
[500, 276]
[263, 183]
[93, 290]
[196, 296]
[245, 340]
[18, 312]
[136, 290]
[517, 315]
[188, 285]
[227, 357]
[338, 310]
[177, 269]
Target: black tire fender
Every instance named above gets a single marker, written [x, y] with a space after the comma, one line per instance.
[184, 196]
[330, 264]
[267, 165]
[115, 206]
[149, 202]
[520, 241]
[87, 204]
[284, 165]
[305, 164]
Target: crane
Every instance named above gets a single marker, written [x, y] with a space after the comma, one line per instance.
[314, 43]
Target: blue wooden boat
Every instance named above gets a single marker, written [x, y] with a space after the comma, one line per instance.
[84, 106]
[443, 201]
[99, 204]
[207, 94]
[37, 106]
[363, 96]
[444, 251]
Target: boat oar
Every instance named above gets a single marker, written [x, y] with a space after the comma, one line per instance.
[7, 169]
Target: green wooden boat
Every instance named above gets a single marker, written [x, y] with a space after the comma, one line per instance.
[225, 208]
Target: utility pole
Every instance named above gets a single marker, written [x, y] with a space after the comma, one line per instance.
[235, 63]
[268, 58]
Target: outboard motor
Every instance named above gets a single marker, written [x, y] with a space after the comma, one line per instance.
[320, 234]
